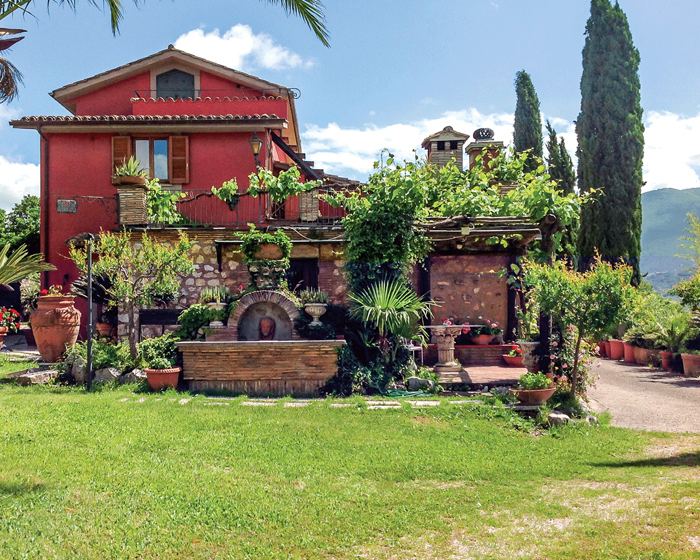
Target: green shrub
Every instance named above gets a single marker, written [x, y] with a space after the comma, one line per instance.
[534, 381]
[159, 352]
[192, 320]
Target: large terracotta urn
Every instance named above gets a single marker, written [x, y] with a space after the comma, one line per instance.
[617, 349]
[691, 365]
[55, 324]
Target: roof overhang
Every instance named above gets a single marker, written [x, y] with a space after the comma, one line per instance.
[131, 124]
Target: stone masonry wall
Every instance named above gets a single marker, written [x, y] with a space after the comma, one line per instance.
[469, 286]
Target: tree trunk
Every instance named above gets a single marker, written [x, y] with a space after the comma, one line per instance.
[133, 328]
[574, 372]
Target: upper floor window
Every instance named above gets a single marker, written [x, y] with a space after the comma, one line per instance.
[441, 145]
[166, 157]
[176, 84]
[453, 144]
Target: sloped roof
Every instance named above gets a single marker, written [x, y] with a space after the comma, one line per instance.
[118, 74]
[447, 133]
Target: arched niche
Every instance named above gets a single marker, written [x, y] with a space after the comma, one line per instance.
[255, 306]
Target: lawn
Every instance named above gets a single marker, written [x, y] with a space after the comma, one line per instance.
[116, 474]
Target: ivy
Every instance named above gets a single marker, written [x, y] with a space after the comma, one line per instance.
[254, 238]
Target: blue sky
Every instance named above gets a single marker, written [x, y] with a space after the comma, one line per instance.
[395, 72]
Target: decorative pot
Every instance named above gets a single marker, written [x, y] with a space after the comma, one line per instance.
[666, 359]
[617, 349]
[629, 353]
[216, 306]
[513, 361]
[601, 349]
[530, 357]
[482, 339]
[268, 251]
[315, 310]
[55, 323]
[161, 378]
[691, 365]
[607, 348]
[533, 397]
[3, 334]
[103, 329]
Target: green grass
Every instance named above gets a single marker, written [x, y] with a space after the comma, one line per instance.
[103, 475]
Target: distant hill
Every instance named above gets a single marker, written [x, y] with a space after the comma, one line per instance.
[663, 223]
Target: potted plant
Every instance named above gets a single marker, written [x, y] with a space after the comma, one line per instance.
[159, 358]
[216, 298]
[55, 323]
[9, 322]
[315, 303]
[514, 358]
[534, 389]
[267, 257]
[485, 332]
[129, 173]
[671, 338]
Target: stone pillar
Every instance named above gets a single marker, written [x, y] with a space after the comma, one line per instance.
[131, 205]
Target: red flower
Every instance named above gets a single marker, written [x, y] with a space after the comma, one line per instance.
[43, 292]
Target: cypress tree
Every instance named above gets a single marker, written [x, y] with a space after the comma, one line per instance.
[559, 164]
[528, 124]
[610, 140]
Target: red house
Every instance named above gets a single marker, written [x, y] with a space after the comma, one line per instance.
[188, 120]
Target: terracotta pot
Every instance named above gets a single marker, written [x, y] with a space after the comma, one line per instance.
[513, 361]
[666, 359]
[629, 353]
[640, 356]
[607, 348]
[617, 349]
[103, 329]
[3, 334]
[268, 251]
[28, 336]
[691, 365]
[482, 339]
[533, 397]
[601, 349]
[529, 356]
[161, 378]
[129, 180]
[55, 323]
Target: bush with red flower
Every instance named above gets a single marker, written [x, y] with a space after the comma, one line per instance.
[55, 290]
[9, 318]
[516, 352]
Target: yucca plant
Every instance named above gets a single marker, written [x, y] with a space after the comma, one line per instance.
[20, 264]
[393, 308]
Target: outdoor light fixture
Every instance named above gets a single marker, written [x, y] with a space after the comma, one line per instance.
[255, 145]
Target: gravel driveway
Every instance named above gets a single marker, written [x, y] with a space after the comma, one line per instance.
[649, 399]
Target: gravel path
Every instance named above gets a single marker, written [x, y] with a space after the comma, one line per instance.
[649, 399]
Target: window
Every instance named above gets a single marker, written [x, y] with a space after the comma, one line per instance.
[176, 84]
[441, 145]
[153, 155]
[302, 274]
[453, 144]
[165, 158]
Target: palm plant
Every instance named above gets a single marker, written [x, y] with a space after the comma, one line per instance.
[10, 77]
[19, 264]
[393, 308]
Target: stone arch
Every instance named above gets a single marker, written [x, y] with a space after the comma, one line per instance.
[283, 309]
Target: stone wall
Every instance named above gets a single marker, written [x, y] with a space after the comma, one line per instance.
[469, 286]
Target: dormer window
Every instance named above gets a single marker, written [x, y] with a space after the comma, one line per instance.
[441, 145]
[176, 84]
[453, 144]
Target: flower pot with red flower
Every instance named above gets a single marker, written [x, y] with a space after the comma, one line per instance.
[9, 322]
[55, 323]
[514, 358]
[485, 331]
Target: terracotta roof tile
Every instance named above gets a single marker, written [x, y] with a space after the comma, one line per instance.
[116, 119]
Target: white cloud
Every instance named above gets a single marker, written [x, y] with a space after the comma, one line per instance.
[671, 151]
[17, 180]
[241, 49]
[352, 151]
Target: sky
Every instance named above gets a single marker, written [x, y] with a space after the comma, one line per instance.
[394, 73]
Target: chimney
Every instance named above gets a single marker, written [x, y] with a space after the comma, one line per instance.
[131, 205]
[483, 139]
[444, 146]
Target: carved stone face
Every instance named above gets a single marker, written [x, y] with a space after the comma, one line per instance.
[266, 328]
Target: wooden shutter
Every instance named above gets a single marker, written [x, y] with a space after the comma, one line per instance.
[121, 150]
[179, 159]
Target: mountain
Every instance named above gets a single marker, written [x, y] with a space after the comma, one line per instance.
[663, 223]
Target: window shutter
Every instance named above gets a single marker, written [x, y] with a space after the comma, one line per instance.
[179, 160]
[121, 150]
